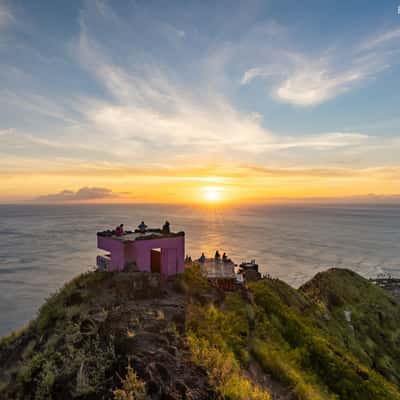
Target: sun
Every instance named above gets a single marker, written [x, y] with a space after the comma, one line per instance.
[212, 194]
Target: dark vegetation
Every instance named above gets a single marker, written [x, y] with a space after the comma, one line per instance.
[127, 336]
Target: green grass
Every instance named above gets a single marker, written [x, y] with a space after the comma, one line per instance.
[373, 334]
[218, 339]
[6, 341]
[224, 370]
[75, 293]
[192, 282]
[278, 363]
[291, 335]
[59, 348]
[311, 358]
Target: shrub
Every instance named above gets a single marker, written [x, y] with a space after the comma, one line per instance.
[30, 369]
[54, 310]
[132, 387]
[192, 281]
[227, 327]
[7, 340]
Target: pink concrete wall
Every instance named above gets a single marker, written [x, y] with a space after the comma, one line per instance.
[139, 251]
[171, 264]
[118, 257]
[169, 261]
[130, 253]
[116, 249]
[172, 254]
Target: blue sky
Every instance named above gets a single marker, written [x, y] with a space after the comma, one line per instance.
[158, 85]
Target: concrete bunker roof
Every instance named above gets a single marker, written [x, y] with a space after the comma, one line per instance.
[131, 236]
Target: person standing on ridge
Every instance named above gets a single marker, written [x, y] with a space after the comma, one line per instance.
[142, 227]
[119, 230]
[165, 228]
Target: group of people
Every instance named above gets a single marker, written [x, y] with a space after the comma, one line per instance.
[119, 230]
[142, 227]
[217, 257]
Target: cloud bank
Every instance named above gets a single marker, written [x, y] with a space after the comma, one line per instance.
[83, 194]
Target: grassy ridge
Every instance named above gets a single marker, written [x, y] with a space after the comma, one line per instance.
[252, 344]
[373, 332]
[292, 337]
[59, 343]
[314, 365]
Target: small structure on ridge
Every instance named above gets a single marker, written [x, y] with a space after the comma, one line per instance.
[249, 271]
[221, 272]
[145, 249]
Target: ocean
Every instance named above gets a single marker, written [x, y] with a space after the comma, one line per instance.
[43, 246]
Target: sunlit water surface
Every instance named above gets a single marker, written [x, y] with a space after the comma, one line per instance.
[42, 247]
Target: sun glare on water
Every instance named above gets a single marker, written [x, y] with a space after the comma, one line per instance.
[212, 194]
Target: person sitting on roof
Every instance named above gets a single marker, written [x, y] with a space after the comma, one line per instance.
[217, 256]
[142, 227]
[119, 230]
[202, 258]
[165, 228]
[224, 257]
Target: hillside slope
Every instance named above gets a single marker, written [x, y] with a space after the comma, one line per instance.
[125, 336]
[86, 335]
[362, 316]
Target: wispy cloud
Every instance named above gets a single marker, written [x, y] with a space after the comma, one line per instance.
[307, 80]
[381, 39]
[153, 110]
[226, 174]
[6, 16]
[37, 104]
[258, 72]
[148, 115]
[7, 131]
[314, 82]
[83, 194]
[127, 113]
[322, 141]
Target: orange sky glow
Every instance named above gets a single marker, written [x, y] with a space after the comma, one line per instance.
[213, 184]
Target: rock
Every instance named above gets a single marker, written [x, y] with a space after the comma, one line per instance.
[153, 389]
[163, 372]
[172, 350]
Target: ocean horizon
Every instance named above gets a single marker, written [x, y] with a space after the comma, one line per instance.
[44, 246]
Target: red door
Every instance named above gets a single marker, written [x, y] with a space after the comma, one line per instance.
[155, 260]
